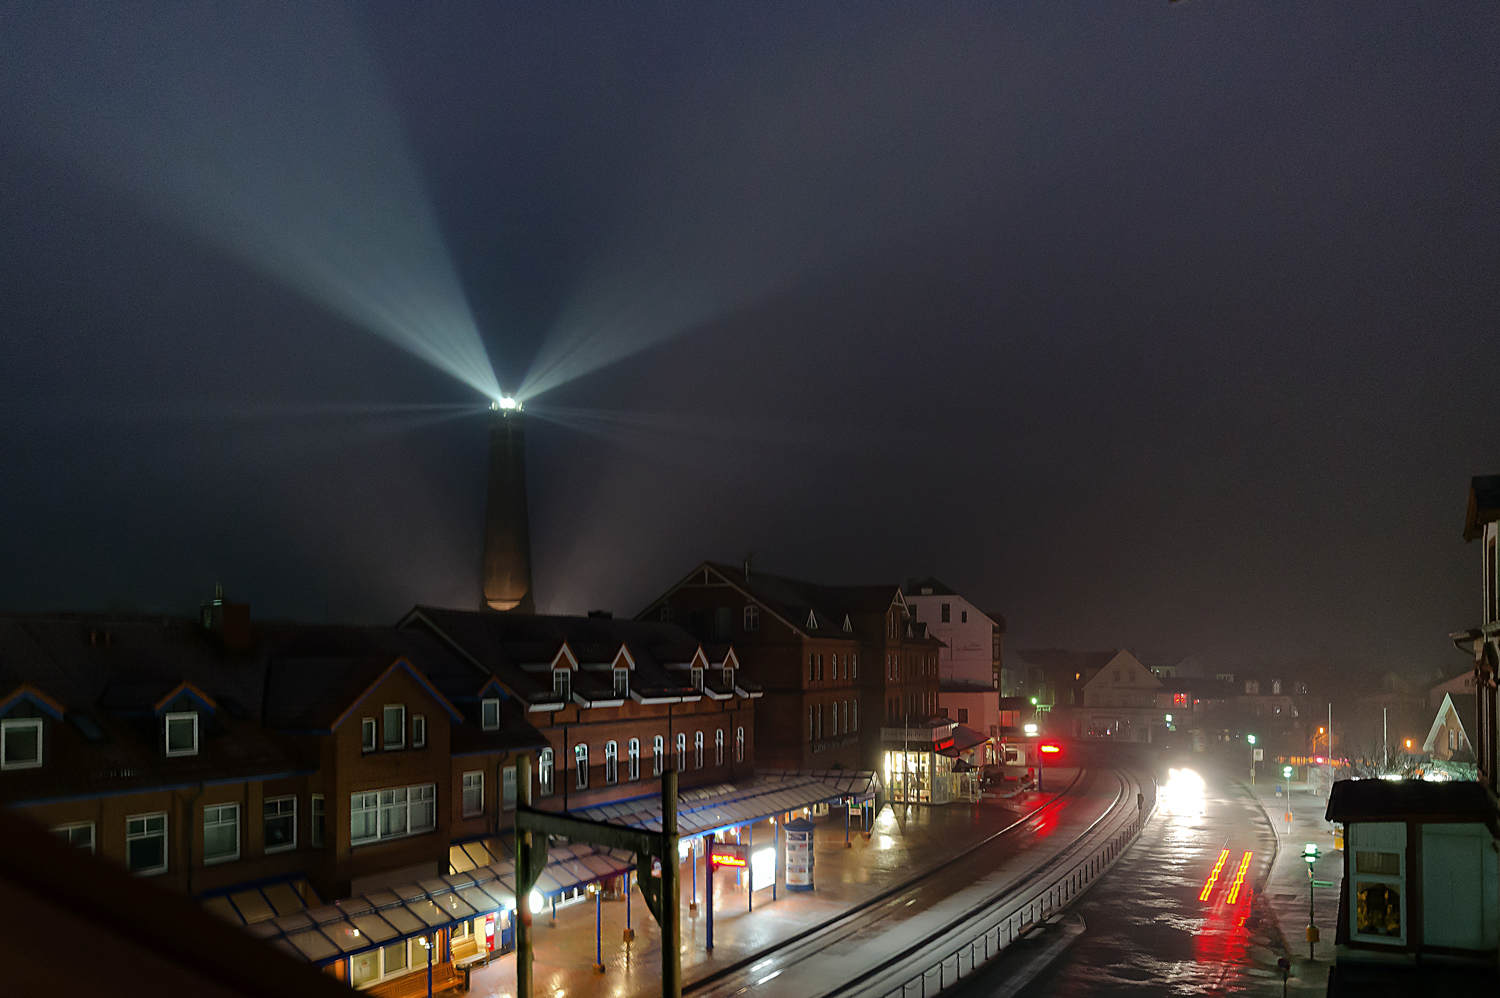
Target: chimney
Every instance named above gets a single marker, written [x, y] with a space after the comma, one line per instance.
[507, 535]
[228, 623]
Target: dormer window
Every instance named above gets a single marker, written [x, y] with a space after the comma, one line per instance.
[666, 614]
[697, 674]
[848, 627]
[812, 620]
[562, 685]
[489, 714]
[395, 726]
[21, 743]
[729, 677]
[622, 684]
[182, 734]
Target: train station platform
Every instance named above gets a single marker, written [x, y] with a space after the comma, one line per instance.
[904, 841]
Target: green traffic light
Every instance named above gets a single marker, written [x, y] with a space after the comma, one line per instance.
[1252, 739]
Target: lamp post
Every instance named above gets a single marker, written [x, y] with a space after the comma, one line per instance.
[597, 890]
[1310, 856]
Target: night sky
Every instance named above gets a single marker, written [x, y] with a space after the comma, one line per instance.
[1166, 326]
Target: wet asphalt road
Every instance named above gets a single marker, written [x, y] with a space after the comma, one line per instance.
[1162, 922]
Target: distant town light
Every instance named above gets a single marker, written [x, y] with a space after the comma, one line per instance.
[1031, 729]
[1033, 701]
[1251, 738]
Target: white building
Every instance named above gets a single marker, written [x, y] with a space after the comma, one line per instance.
[1124, 701]
[966, 662]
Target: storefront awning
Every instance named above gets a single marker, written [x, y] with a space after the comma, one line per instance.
[341, 929]
[964, 739]
[702, 810]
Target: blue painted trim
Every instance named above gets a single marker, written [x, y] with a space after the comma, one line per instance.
[191, 695]
[23, 696]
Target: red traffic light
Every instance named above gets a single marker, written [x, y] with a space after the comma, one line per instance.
[1048, 748]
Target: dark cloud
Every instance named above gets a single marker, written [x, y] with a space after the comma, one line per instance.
[1146, 324]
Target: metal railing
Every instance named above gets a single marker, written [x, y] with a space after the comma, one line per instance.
[1011, 915]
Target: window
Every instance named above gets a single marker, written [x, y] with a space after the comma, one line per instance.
[681, 752]
[146, 844]
[390, 814]
[722, 617]
[508, 788]
[622, 684]
[418, 731]
[697, 679]
[719, 747]
[820, 721]
[281, 824]
[666, 614]
[545, 772]
[752, 618]
[489, 714]
[698, 750]
[367, 734]
[221, 833]
[739, 744]
[581, 766]
[658, 749]
[854, 666]
[633, 763]
[611, 763]
[963, 616]
[820, 666]
[389, 961]
[181, 734]
[846, 716]
[318, 823]
[728, 677]
[963, 715]
[395, 726]
[812, 667]
[945, 613]
[21, 743]
[562, 684]
[473, 793]
[1378, 898]
[80, 834]
[854, 714]
[809, 721]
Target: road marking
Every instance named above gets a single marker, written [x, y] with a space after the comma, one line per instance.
[1213, 878]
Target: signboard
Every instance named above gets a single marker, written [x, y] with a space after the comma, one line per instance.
[799, 855]
[1259, 755]
[728, 854]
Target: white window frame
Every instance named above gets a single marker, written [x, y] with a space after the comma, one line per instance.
[281, 812]
[485, 706]
[546, 772]
[414, 963]
[622, 683]
[697, 678]
[739, 744]
[581, 766]
[369, 738]
[318, 827]
[473, 781]
[611, 763]
[166, 733]
[508, 788]
[219, 822]
[17, 724]
[419, 731]
[752, 617]
[658, 750]
[562, 684]
[386, 744]
[681, 751]
[385, 801]
[855, 712]
[146, 833]
[633, 759]
[65, 832]
[809, 722]
[1361, 840]
[697, 750]
[719, 747]
[854, 665]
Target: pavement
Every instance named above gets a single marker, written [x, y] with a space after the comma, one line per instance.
[1286, 894]
[903, 843]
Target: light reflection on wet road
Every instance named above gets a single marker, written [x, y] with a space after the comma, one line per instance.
[1161, 922]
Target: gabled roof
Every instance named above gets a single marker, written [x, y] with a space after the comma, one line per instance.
[1123, 660]
[1464, 707]
[1484, 504]
[927, 587]
[1387, 800]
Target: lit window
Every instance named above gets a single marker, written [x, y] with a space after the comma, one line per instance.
[21, 743]
[545, 772]
[281, 824]
[146, 844]
[581, 766]
[611, 762]
[473, 794]
[698, 750]
[221, 833]
[489, 714]
[80, 834]
[633, 760]
[318, 821]
[389, 814]
[182, 734]
[752, 618]
[367, 734]
[395, 726]
[658, 750]
[622, 684]
[508, 788]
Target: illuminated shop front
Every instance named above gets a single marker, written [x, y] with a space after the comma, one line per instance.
[915, 770]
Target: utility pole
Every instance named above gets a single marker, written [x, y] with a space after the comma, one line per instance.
[523, 903]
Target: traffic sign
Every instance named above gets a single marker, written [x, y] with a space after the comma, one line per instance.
[1259, 755]
[1323, 883]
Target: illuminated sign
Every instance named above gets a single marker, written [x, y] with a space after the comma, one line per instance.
[1050, 749]
[945, 743]
[728, 854]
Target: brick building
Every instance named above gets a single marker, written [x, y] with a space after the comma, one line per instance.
[835, 662]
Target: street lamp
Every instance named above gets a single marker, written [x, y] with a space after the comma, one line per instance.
[1310, 856]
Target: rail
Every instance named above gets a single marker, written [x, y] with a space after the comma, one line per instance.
[997, 923]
